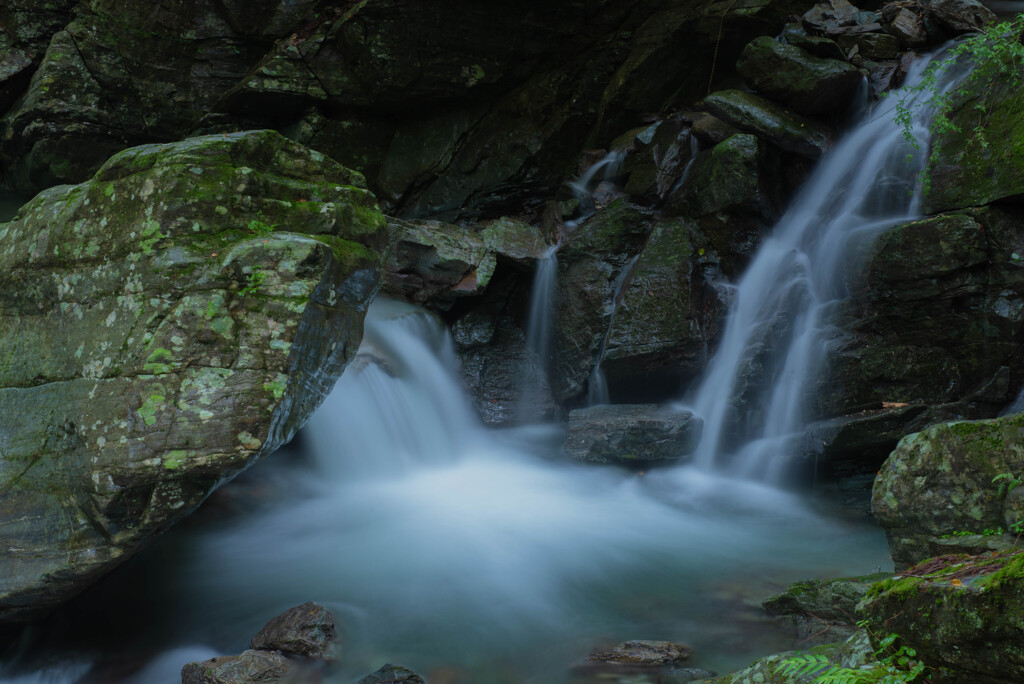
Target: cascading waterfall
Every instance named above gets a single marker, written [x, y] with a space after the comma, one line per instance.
[754, 396]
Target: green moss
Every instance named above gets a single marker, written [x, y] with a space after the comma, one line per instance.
[174, 459]
[1011, 573]
[158, 362]
[148, 410]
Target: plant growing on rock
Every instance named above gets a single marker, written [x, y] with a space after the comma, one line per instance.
[895, 665]
[254, 283]
[259, 227]
[997, 56]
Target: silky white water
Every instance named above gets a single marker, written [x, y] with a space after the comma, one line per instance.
[755, 395]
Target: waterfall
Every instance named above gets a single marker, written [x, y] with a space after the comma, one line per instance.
[585, 186]
[754, 395]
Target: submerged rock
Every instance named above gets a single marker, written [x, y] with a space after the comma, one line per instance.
[638, 435]
[162, 326]
[392, 674]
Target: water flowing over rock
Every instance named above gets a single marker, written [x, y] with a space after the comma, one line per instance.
[161, 327]
[637, 435]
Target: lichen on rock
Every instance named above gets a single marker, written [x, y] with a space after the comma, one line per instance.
[153, 343]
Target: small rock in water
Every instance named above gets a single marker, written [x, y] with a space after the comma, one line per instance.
[305, 630]
[643, 653]
[392, 674]
[250, 666]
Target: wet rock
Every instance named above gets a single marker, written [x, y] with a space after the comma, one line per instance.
[906, 24]
[514, 241]
[770, 122]
[591, 267]
[816, 45]
[205, 306]
[967, 173]
[637, 435]
[827, 17]
[935, 316]
[960, 613]
[668, 316]
[15, 68]
[790, 75]
[959, 462]
[644, 653]
[249, 667]
[504, 377]
[822, 610]
[392, 674]
[656, 158]
[733, 191]
[960, 16]
[710, 130]
[857, 652]
[306, 630]
[434, 263]
[870, 45]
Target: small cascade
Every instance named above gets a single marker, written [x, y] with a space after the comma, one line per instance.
[755, 396]
[694, 151]
[597, 384]
[540, 320]
[584, 188]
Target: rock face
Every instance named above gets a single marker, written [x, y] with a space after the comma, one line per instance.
[823, 611]
[941, 481]
[960, 612]
[446, 109]
[638, 435]
[161, 327]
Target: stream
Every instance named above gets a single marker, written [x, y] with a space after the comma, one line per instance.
[477, 555]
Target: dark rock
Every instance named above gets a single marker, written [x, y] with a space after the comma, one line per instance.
[826, 17]
[305, 630]
[592, 265]
[710, 130]
[733, 191]
[967, 173]
[770, 122]
[205, 306]
[959, 613]
[790, 75]
[668, 316]
[822, 610]
[935, 316]
[392, 674]
[940, 482]
[656, 159]
[870, 45]
[498, 370]
[817, 46]
[250, 666]
[907, 25]
[434, 263]
[960, 16]
[637, 435]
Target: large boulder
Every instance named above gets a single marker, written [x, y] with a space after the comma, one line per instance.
[963, 615]
[638, 435]
[162, 326]
[942, 482]
[822, 610]
[786, 73]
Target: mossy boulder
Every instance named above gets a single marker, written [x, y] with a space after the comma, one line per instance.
[162, 326]
[822, 610]
[770, 122]
[940, 482]
[790, 75]
[963, 615]
[970, 170]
